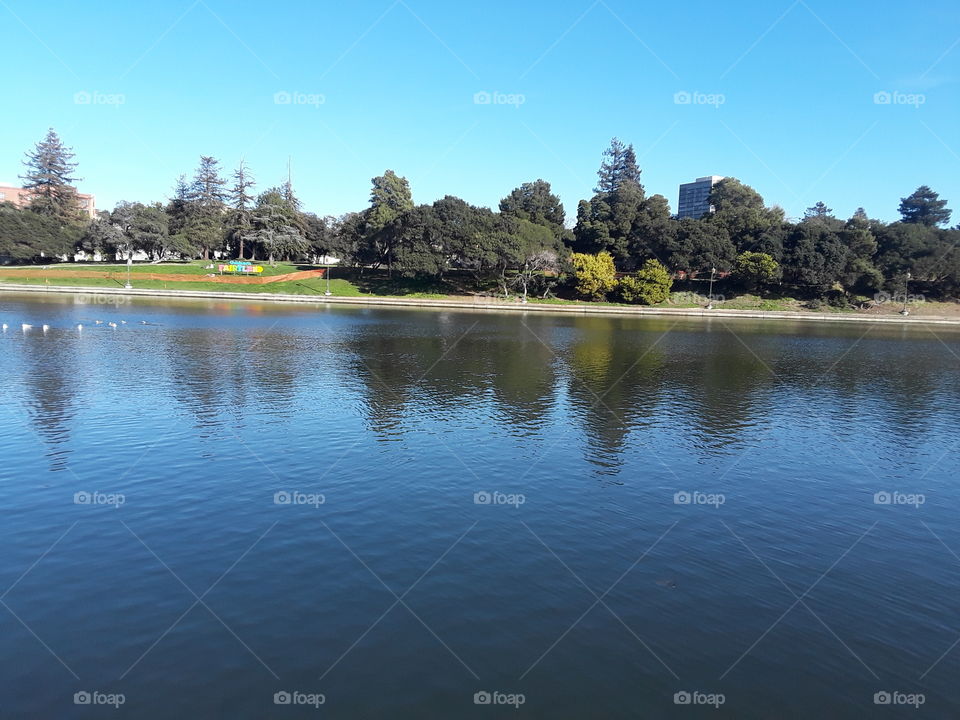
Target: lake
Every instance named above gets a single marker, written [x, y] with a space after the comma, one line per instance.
[250, 510]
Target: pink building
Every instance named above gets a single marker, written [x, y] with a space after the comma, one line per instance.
[19, 197]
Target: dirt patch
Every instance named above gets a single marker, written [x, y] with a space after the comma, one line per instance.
[121, 277]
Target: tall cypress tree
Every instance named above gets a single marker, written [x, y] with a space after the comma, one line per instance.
[49, 179]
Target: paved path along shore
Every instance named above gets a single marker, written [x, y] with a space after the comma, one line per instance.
[484, 303]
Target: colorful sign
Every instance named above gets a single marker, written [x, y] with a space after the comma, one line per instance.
[240, 267]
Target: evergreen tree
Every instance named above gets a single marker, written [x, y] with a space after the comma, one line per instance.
[925, 207]
[619, 166]
[206, 205]
[389, 197]
[275, 226]
[49, 179]
[241, 207]
[818, 211]
[534, 201]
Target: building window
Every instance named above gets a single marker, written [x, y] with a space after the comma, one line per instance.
[3, 196]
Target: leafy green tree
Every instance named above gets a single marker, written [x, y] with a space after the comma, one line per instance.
[26, 236]
[652, 231]
[815, 257]
[740, 211]
[860, 273]
[696, 246]
[756, 269]
[650, 285]
[534, 201]
[595, 275]
[389, 197]
[101, 237]
[49, 180]
[150, 231]
[924, 207]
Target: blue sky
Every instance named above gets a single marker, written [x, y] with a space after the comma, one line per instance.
[781, 95]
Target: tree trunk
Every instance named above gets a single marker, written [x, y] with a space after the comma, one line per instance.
[241, 247]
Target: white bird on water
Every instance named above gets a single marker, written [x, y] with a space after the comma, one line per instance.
[113, 324]
[46, 327]
[26, 326]
[99, 322]
[5, 327]
[123, 322]
[79, 327]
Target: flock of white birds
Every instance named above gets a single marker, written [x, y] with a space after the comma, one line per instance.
[27, 326]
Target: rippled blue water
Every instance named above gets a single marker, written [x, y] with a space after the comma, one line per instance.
[403, 594]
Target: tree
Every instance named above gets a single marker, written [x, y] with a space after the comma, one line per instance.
[150, 231]
[740, 211]
[275, 228]
[815, 257]
[49, 179]
[650, 285]
[755, 269]
[818, 211]
[595, 274]
[389, 197]
[618, 167]
[26, 235]
[537, 268]
[695, 246]
[924, 207]
[205, 207]
[534, 201]
[241, 208]
[101, 237]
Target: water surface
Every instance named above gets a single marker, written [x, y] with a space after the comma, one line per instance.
[403, 594]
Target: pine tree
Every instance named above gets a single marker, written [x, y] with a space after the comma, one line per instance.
[820, 210]
[241, 202]
[49, 179]
[206, 205]
[925, 207]
[620, 166]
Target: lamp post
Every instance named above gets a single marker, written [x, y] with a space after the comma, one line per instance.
[128, 286]
[906, 289]
[327, 273]
[713, 272]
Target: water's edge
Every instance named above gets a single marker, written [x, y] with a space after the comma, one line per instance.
[478, 304]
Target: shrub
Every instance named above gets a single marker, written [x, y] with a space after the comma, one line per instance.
[755, 269]
[595, 274]
[650, 285]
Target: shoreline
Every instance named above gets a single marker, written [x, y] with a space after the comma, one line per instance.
[480, 304]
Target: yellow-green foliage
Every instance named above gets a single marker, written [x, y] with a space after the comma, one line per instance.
[595, 274]
[650, 285]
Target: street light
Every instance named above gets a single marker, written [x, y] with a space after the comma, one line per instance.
[906, 289]
[128, 286]
[327, 273]
[713, 271]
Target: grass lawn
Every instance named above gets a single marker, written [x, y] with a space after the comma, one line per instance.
[354, 282]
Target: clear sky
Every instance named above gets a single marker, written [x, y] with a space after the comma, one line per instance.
[781, 94]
